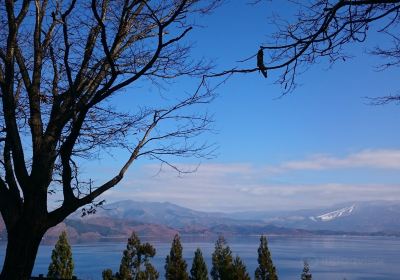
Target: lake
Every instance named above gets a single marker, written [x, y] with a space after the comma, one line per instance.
[330, 257]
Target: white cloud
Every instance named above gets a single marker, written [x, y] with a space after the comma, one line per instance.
[239, 187]
[378, 159]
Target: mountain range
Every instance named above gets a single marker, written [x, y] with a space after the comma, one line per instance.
[363, 217]
[119, 219]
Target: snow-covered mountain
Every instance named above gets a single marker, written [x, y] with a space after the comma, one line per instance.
[334, 214]
[370, 216]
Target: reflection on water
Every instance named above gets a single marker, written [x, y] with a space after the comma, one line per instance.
[330, 258]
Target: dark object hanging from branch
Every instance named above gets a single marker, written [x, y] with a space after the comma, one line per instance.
[260, 62]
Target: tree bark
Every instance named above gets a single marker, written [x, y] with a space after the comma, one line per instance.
[22, 246]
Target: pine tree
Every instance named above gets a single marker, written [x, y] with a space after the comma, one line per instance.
[266, 269]
[135, 258]
[221, 261]
[62, 265]
[239, 271]
[199, 267]
[108, 275]
[306, 275]
[175, 265]
[150, 273]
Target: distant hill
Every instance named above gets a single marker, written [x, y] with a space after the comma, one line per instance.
[165, 213]
[119, 219]
[371, 216]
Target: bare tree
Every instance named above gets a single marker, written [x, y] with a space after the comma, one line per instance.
[321, 30]
[60, 63]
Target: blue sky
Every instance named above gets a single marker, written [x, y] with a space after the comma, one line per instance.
[322, 144]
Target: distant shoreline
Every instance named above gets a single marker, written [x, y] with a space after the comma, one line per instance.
[210, 238]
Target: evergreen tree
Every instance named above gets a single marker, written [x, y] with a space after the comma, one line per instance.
[175, 265]
[108, 275]
[150, 273]
[221, 261]
[306, 275]
[266, 269]
[239, 271]
[199, 267]
[62, 265]
[135, 257]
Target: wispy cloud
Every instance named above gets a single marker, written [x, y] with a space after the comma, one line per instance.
[377, 159]
[237, 187]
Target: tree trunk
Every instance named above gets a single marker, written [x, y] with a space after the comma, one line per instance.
[22, 246]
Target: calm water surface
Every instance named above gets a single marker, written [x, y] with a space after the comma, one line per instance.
[353, 258]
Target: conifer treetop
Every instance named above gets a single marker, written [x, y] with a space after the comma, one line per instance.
[306, 275]
[199, 268]
[175, 265]
[62, 265]
[239, 270]
[222, 260]
[266, 269]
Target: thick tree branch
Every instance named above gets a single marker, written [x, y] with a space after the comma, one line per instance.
[67, 44]
[9, 109]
